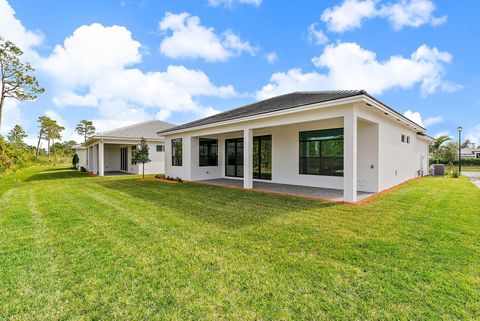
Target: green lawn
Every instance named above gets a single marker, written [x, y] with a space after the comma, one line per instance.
[465, 168]
[78, 247]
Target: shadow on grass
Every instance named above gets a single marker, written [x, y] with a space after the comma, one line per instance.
[54, 173]
[229, 208]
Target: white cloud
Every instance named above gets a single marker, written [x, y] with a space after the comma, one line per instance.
[430, 121]
[349, 66]
[12, 29]
[414, 116]
[411, 13]
[474, 134]
[11, 116]
[230, 3]
[417, 118]
[105, 78]
[351, 14]
[271, 57]
[315, 36]
[190, 39]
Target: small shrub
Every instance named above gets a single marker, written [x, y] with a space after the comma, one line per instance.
[161, 176]
[83, 169]
[455, 173]
[178, 179]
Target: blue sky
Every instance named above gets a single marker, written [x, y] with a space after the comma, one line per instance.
[120, 62]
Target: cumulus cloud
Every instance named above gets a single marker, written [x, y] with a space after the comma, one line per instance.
[430, 121]
[106, 78]
[188, 38]
[351, 14]
[414, 116]
[271, 57]
[12, 29]
[417, 118]
[474, 134]
[230, 3]
[315, 36]
[349, 66]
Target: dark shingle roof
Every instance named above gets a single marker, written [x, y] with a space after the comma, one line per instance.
[287, 101]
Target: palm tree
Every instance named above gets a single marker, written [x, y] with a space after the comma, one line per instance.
[436, 147]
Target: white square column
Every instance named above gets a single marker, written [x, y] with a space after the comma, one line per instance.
[95, 159]
[248, 158]
[101, 159]
[350, 155]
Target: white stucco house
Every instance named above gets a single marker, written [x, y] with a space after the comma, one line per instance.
[81, 152]
[344, 140]
[470, 153]
[112, 151]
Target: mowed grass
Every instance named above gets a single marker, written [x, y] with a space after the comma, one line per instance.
[79, 247]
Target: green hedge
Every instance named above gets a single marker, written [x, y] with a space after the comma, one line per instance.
[465, 161]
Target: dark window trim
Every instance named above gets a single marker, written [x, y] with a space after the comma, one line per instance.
[319, 157]
[177, 159]
[209, 142]
[259, 155]
[236, 140]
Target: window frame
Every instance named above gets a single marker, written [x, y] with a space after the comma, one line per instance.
[321, 158]
[209, 142]
[177, 158]
[162, 148]
[403, 138]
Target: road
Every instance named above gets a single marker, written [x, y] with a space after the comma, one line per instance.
[474, 177]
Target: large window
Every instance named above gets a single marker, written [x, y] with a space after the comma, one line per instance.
[234, 157]
[262, 157]
[177, 152]
[208, 152]
[321, 152]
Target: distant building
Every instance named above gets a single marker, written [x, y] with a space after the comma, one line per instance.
[470, 152]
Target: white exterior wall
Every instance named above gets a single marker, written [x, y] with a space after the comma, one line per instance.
[382, 159]
[285, 148]
[82, 157]
[399, 161]
[112, 157]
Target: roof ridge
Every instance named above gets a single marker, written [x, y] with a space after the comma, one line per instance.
[133, 125]
[294, 102]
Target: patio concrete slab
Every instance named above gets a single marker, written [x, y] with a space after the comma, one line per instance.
[330, 194]
[116, 173]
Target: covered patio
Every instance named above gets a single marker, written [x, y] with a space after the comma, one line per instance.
[329, 194]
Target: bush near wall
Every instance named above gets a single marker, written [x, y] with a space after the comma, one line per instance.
[465, 161]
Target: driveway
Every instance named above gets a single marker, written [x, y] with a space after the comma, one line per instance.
[474, 177]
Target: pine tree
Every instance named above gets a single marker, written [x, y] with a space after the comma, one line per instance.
[141, 154]
[16, 136]
[86, 129]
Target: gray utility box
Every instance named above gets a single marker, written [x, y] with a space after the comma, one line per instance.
[437, 170]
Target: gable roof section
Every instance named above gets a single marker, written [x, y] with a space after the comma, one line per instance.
[283, 102]
[147, 129]
[292, 100]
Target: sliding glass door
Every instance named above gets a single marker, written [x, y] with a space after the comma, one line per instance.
[262, 157]
[124, 159]
[234, 157]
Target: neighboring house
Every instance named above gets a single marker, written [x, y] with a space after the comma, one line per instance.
[344, 140]
[81, 152]
[470, 152]
[112, 151]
